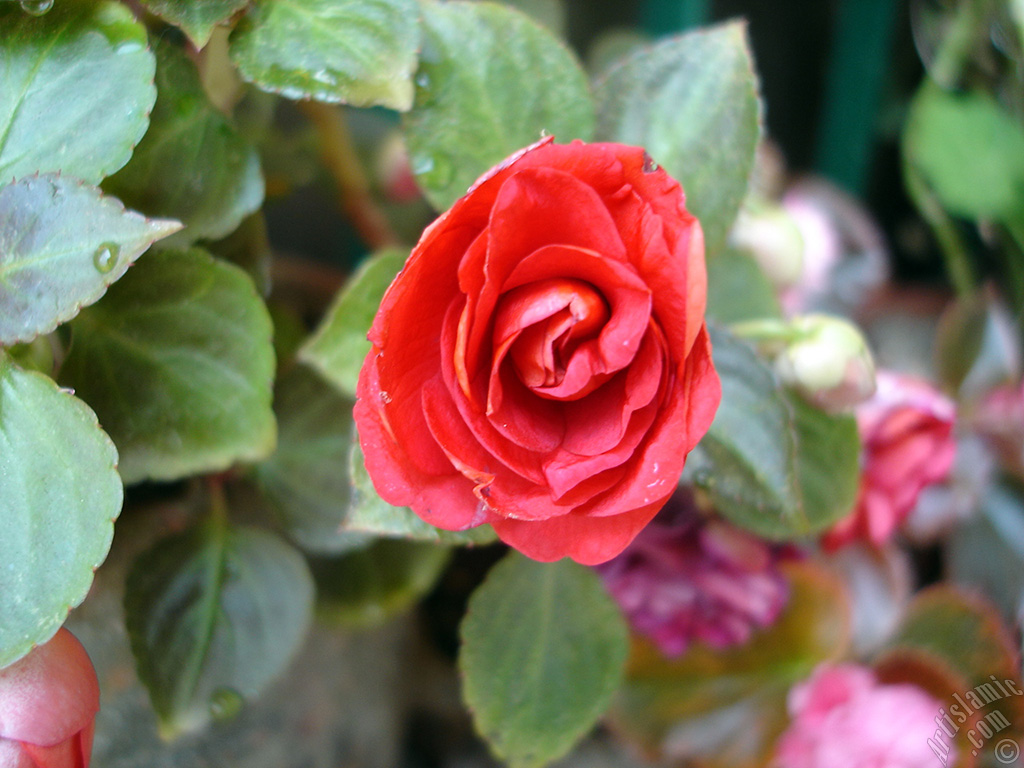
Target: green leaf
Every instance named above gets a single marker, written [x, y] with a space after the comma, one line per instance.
[964, 633]
[490, 82]
[76, 89]
[771, 463]
[63, 243]
[371, 585]
[359, 52]
[249, 248]
[691, 101]
[968, 149]
[177, 361]
[338, 346]
[738, 289]
[369, 513]
[196, 17]
[725, 708]
[543, 650]
[306, 478]
[59, 496]
[191, 165]
[214, 614]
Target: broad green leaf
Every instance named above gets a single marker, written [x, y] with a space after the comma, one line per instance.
[691, 101]
[196, 17]
[338, 346]
[738, 289]
[490, 82]
[177, 361]
[543, 650]
[369, 513]
[371, 585]
[960, 629]
[968, 149]
[359, 52]
[306, 478]
[59, 496]
[771, 463]
[63, 243]
[548, 13]
[191, 165]
[726, 707]
[76, 89]
[214, 614]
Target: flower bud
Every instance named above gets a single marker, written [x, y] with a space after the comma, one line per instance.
[772, 237]
[829, 362]
[48, 703]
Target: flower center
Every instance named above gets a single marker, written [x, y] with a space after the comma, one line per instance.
[541, 324]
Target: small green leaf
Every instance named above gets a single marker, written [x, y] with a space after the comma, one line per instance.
[76, 88]
[338, 346]
[59, 496]
[771, 463]
[369, 513]
[692, 102]
[968, 149]
[725, 708]
[371, 585]
[191, 165]
[63, 243]
[196, 17]
[490, 82]
[214, 614]
[359, 52]
[178, 362]
[543, 649]
[306, 478]
[738, 289]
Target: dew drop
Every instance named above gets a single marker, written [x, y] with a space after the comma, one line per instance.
[225, 704]
[105, 257]
[385, 397]
[650, 166]
[423, 80]
[36, 7]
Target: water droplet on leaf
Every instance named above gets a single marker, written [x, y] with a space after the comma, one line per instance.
[105, 257]
[225, 704]
[36, 7]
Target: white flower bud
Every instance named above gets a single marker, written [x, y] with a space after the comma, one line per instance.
[829, 362]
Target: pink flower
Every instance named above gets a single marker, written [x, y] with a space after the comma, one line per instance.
[48, 702]
[907, 434]
[688, 577]
[844, 718]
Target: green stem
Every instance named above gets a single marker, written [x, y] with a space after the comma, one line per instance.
[955, 252]
[342, 161]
